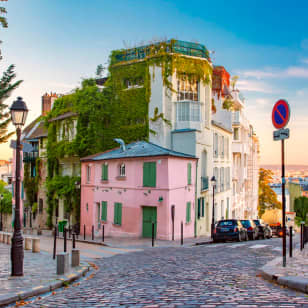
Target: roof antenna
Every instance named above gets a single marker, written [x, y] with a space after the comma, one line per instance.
[122, 143]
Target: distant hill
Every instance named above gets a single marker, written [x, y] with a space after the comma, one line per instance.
[288, 167]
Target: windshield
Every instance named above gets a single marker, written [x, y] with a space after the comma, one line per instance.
[245, 223]
[226, 223]
[257, 222]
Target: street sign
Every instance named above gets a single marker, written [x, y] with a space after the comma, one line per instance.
[281, 134]
[281, 114]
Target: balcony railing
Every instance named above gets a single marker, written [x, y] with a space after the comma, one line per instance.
[204, 183]
[30, 157]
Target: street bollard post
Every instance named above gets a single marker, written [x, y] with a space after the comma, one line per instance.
[182, 233]
[153, 226]
[92, 233]
[74, 241]
[64, 233]
[290, 242]
[55, 242]
[84, 232]
[302, 236]
[69, 232]
[103, 233]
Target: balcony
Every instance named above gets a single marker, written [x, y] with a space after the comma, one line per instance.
[204, 183]
[30, 157]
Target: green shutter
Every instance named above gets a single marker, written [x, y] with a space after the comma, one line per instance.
[149, 174]
[104, 172]
[104, 210]
[22, 190]
[188, 212]
[189, 173]
[118, 213]
[202, 207]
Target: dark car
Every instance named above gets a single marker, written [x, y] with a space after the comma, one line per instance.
[251, 227]
[229, 229]
[264, 231]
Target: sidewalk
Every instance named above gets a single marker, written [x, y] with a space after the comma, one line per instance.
[39, 276]
[294, 275]
[139, 243]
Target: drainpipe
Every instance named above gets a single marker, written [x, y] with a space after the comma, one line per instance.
[196, 198]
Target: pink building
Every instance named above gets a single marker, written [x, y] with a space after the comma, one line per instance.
[129, 188]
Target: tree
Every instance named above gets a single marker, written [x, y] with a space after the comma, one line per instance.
[99, 70]
[234, 80]
[6, 87]
[301, 209]
[6, 203]
[267, 197]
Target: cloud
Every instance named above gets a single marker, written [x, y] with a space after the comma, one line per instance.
[299, 72]
[62, 85]
[262, 101]
[258, 74]
[254, 86]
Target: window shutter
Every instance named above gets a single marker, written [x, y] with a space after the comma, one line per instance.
[118, 213]
[189, 173]
[202, 207]
[115, 215]
[199, 208]
[22, 190]
[188, 212]
[153, 174]
[149, 174]
[104, 210]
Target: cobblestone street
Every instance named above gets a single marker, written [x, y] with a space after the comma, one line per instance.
[222, 275]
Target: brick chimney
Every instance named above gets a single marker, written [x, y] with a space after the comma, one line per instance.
[47, 102]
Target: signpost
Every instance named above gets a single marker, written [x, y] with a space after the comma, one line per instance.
[280, 118]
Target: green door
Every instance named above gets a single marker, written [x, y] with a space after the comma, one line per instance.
[149, 215]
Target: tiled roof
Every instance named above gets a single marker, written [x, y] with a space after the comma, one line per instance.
[136, 149]
[64, 116]
[26, 147]
[39, 131]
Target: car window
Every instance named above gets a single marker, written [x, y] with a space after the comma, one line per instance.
[245, 223]
[257, 222]
[225, 223]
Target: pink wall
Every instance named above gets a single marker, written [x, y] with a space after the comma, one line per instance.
[171, 184]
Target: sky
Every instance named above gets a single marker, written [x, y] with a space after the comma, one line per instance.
[54, 44]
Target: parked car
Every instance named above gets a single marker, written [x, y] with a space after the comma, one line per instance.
[229, 229]
[251, 227]
[264, 231]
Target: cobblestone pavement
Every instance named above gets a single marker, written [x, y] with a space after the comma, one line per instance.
[222, 275]
[39, 268]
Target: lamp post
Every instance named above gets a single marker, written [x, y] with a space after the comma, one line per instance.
[19, 113]
[213, 181]
[1, 206]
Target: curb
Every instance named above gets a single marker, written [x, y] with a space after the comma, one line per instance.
[203, 243]
[85, 241]
[60, 282]
[293, 282]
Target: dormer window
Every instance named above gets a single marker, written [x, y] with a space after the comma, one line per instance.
[122, 170]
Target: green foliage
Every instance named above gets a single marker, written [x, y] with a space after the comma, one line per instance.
[6, 202]
[99, 70]
[31, 183]
[301, 209]
[228, 104]
[267, 197]
[234, 80]
[213, 106]
[34, 207]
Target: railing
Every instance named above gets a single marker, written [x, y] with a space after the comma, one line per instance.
[204, 183]
[30, 157]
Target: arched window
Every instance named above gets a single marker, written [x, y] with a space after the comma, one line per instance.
[122, 170]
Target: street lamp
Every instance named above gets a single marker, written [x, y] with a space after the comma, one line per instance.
[1, 206]
[19, 113]
[213, 181]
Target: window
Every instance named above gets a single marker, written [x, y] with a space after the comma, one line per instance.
[216, 174]
[227, 178]
[215, 148]
[105, 172]
[236, 133]
[199, 208]
[222, 147]
[222, 209]
[227, 147]
[61, 169]
[222, 179]
[187, 89]
[202, 207]
[40, 206]
[188, 111]
[122, 170]
[76, 169]
[117, 213]
[149, 174]
[104, 210]
[189, 173]
[188, 204]
[88, 173]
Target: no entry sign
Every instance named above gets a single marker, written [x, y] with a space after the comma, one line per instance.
[281, 114]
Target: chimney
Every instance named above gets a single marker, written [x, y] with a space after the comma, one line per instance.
[47, 102]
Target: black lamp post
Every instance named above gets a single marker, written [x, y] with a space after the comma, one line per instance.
[1, 206]
[213, 181]
[19, 113]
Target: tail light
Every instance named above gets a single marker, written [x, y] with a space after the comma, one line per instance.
[250, 229]
[214, 230]
[235, 229]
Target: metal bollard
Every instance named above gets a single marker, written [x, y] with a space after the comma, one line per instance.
[74, 241]
[69, 232]
[92, 233]
[290, 242]
[103, 233]
[64, 233]
[182, 233]
[55, 243]
[84, 232]
[302, 236]
[153, 226]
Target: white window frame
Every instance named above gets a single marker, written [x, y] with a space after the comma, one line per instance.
[122, 171]
[88, 170]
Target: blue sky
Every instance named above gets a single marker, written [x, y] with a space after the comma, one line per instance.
[56, 43]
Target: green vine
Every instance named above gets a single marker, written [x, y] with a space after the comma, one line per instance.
[228, 104]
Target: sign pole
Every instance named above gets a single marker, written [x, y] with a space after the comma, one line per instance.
[284, 240]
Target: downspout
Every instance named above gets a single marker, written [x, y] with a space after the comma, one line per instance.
[196, 198]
